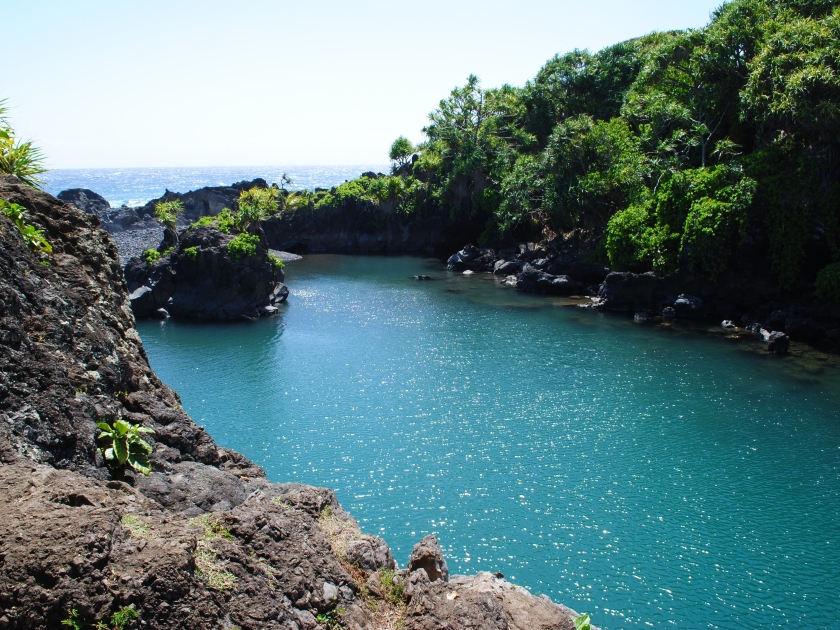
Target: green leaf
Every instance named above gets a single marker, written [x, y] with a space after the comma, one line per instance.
[145, 430]
[582, 623]
[121, 427]
[121, 450]
[140, 463]
[139, 446]
[104, 426]
[109, 453]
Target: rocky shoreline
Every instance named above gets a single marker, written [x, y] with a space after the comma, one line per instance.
[737, 303]
[204, 541]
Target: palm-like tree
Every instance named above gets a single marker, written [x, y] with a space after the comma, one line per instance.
[17, 157]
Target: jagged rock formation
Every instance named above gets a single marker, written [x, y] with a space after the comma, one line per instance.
[201, 279]
[205, 541]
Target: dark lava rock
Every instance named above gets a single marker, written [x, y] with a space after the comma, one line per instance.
[473, 259]
[369, 553]
[428, 556]
[87, 201]
[688, 306]
[422, 277]
[532, 280]
[626, 291]
[777, 342]
[202, 280]
[728, 325]
[668, 313]
[507, 267]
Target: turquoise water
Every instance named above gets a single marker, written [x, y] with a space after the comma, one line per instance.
[136, 186]
[646, 475]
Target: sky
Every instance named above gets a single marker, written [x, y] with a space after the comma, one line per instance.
[119, 83]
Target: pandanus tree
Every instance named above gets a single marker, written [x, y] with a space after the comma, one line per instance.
[18, 157]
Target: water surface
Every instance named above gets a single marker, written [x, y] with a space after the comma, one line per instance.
[645, 475]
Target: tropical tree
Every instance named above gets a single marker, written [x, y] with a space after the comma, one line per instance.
[18, 157]
[255, 205]
[401, 152]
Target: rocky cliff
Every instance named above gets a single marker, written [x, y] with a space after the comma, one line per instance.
[205, 541]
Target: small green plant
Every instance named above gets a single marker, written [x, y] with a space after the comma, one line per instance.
[168, 251]
[119, 620]
[191, 253]
[72, 619]
[33, 237]
[203, 221]
[226, 220]
[243, 245]
[18, 157]
[167, 213]
[207, 564]
[126, 447]
[137, 527]
[331, 619]
[392, 589]
[276, 261]
[151, 256]
[582, 623]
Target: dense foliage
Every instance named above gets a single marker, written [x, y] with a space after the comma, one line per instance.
[33, 237]
[681, 149]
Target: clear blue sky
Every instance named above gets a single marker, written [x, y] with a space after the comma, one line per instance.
[118, 83]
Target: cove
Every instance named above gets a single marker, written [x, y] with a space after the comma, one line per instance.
[650, 476]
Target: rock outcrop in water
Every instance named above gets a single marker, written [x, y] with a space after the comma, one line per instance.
[205, 541]
[202, 279]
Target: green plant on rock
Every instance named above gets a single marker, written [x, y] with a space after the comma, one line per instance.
[331, 619]
[205, 220]
[33, 237]
[276, 261]
[226, 220]
[582, 622]
[243, 245]
[119, 620]
[255, 205]
[207, 563]
[151, 256]
[393, 589]
[167, 213]
[401, 152]
[191, 252]
[125, 447]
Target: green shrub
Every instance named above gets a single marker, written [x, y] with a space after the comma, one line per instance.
[205, 220]
[255, 205]
[126, 447]
[168, 251]
[225, 220]
[167, 212]
[243, 245]
[191, 253]
[828, 283]
[276, 261]
[33, 237]
[393, 588]
[151, 256]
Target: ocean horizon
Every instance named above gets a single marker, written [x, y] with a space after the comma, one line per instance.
[137, 186]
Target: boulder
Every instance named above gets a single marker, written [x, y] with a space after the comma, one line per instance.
[369, 553]
[427, 555]
[641, 317]
[506, 267]
[472, 259]
[626, 291]
[688, 306]
[777, 342]
[728, 324]
[87, 201]
[532, 280]
[668, 313]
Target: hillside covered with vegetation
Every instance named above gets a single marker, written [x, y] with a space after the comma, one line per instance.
[703, 149]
